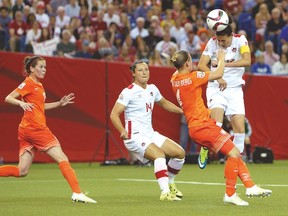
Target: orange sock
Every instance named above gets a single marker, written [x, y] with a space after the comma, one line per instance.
[244, 174]
[70, 176]
[231, 173]
[9, 170]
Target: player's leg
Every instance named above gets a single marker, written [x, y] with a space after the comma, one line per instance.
[56, 153]
[175, 164]
[217, 114]
[156, 154]
[238, 125]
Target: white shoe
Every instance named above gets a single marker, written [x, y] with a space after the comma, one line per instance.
[235, 200]
[256, 191]
[80, 197]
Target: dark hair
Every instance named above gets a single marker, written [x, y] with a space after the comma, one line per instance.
[179, 58]
[228, 30]
[133, 66]
[31, 61]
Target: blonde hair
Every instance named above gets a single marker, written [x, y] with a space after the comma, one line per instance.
[179, 58]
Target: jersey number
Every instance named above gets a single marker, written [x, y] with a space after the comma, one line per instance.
[178, 97]
[148, 107]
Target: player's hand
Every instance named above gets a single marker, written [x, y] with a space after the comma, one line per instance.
[222, 84]
[67, 99]
[221, 55]
[124, 135]
[26, 106]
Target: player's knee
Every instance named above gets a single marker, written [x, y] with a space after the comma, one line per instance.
[23, 172]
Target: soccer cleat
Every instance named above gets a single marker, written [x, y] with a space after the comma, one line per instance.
[168, 196]
[203, 157]
[175, 191]
[235, 200]
[80, 197]
[256, 191]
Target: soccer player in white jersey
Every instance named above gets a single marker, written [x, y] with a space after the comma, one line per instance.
[137, 102]
[225, 95]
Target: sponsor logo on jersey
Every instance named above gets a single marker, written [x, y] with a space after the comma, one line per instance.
[21, 86]
[200, 74]
[151, 93]
[234, 49]
[143, 144]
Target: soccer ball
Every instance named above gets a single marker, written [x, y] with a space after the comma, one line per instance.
[217, 20]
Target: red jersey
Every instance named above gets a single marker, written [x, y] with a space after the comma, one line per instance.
[188, 91]
[34, 93]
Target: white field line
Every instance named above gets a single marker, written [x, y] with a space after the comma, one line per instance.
[197, 183]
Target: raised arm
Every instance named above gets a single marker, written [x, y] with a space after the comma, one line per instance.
[67, 99]
[218, 73]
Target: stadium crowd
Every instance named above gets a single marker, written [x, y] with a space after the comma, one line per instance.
[126, 30]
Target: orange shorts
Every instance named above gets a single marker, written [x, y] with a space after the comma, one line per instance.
[40, 139]
[209, 135]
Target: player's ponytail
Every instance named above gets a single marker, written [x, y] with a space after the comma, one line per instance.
[179, 58]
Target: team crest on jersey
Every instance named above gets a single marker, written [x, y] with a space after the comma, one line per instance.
[200, 74]
[143, 144]
[151, 93]
[21, 86]
[234, 49]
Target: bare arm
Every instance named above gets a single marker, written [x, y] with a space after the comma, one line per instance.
[115, 118]
[67, 99]
[12, 99]
[203, 63]
[218, 73]
[245, 61]
[167, 105]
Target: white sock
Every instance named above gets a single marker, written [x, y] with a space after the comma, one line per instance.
[174, 166]
[160, 171]
[239, 141]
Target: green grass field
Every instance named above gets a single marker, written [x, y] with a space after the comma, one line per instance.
[130, 190]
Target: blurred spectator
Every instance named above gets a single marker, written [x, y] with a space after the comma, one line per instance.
[256, 7]
[166, 4]
[164, 49]
[177, 31]
[143, 51]
[41, 16]
[203, 35]
[86, 26]
[259, 67]
[84, 13]
[45, 35]
[99, 24]
[281, 67]
[192, 45]
[110, 33]
[168, 19]
[193, 13]
[30, 20]
[183, 17]
[65, 46]
[18, 6]
[270, 57]
[155, 23]
[139, 29]
[72, 9]
[54, 4]
[5, 19]
[17, 31]
[33, 35]
[104, 50]
[26, 12]
[87, 4]
[142, 9]
[124, 27]
[6, 3]
[283, 37]
[261, 20]
[274, 27]
[84, 52]
[152, 40]
[111, 16]
[234, 7]
[75, 27]
[124, 55]
[62, 20]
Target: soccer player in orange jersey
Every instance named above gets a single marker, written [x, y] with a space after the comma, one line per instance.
[187, 87]
[33, 134]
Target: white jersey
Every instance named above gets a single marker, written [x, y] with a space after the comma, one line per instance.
[139, 105]
[232, 75]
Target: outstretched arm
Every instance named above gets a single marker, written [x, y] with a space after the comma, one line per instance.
[115, 118]
[167, 105]
[12, 99]
[67, 99]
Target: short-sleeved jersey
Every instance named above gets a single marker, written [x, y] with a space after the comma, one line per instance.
[33, 93]
[232, 75]
[139, 105]
[188, 91]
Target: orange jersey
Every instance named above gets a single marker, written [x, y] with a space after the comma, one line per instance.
[33, 93]
[188, 91]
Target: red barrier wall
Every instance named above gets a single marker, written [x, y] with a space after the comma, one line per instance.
[81, 127]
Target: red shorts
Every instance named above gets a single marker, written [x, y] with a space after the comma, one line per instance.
[40, 139]
[209, 135]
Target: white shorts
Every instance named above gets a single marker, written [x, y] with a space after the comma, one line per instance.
[231, 100]
[139, 142]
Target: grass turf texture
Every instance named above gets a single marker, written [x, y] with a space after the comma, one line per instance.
[130, 190]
